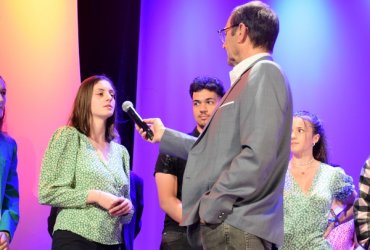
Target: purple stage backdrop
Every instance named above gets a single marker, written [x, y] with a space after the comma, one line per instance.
[322, 47]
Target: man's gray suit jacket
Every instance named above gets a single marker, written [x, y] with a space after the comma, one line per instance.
[236, 168]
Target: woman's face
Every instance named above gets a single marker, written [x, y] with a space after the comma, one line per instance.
[103, 100]
[302, 139]
[2, 98]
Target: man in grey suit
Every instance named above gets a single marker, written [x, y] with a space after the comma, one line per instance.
[234, 177]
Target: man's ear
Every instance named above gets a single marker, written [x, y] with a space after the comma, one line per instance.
[242, 32]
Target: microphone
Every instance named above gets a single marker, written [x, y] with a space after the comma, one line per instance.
[128, 107]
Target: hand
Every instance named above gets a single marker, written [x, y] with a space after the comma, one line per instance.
[104, 199]
[4, 241]
[121, 208]
[156, 126]
[328, 230]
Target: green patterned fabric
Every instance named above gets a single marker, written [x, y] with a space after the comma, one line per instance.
[70, 168]
[306, 215]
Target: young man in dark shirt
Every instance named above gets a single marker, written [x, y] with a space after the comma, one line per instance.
[206, 92]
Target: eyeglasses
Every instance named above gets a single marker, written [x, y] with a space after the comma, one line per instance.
[222, 32]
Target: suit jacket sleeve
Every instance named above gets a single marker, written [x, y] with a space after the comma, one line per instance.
[264, 113]
[176, 144]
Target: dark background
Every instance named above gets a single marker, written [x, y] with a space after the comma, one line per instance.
[108, 34]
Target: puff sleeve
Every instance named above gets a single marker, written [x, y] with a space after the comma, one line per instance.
[57, 178]
[342, 184]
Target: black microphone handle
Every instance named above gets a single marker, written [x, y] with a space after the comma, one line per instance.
[137, 119]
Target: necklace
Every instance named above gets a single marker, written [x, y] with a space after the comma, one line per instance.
[303, 168]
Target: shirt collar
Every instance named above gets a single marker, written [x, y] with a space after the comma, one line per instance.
[241, 67]
[195, 132]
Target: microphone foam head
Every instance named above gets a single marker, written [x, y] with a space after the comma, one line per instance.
[126, 105]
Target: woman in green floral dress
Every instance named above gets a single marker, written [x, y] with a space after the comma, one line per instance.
[85, 173]
[311, 185]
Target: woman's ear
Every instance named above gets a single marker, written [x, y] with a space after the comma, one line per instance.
[316, 138]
